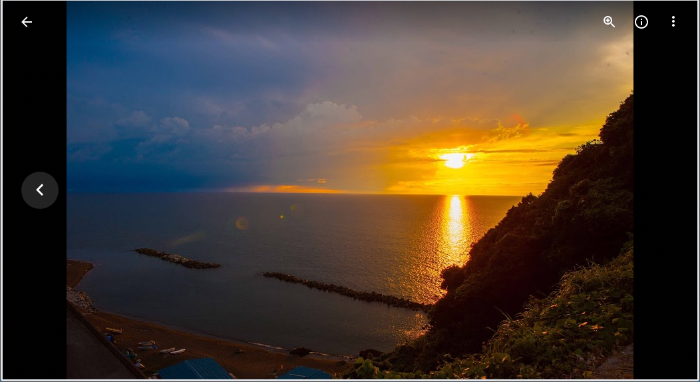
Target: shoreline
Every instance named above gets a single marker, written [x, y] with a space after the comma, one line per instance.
[257, 345]
[241, 358]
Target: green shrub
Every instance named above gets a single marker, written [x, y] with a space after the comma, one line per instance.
[564, 335]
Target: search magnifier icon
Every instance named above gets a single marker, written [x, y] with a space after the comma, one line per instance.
[607, 20]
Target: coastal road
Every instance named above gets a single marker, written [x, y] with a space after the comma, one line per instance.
[87, 356]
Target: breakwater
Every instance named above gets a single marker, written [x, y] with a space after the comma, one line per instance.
[358, 295]
[177, 259]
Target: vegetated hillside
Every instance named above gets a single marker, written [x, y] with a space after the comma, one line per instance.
[585, 214]
[565, 335]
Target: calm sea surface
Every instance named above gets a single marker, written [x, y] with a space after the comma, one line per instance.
[391, 244]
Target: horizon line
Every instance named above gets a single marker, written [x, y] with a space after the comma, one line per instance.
[272, 192]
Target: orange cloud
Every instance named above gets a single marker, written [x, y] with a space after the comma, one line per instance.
[502, 132]
[319, 180]
[283, 188]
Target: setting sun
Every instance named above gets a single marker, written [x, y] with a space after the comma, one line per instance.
[455, 160]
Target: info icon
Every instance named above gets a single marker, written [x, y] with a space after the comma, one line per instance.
[641, 22]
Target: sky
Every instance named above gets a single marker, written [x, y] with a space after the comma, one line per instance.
[448, 98]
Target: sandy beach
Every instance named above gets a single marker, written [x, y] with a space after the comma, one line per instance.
[241, 359]
[75, 270]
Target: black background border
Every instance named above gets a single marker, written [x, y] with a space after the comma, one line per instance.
[34, 139]
[665, 176]
[666, 139]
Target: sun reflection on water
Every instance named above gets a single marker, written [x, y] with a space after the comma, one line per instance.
[455, 230]
[444, 239]
[447, 237]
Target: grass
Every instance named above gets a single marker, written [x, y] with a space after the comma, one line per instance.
[565, 335]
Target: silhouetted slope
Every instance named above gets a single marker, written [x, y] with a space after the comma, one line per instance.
[567, 334]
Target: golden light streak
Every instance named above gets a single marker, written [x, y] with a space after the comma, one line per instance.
[454, 230]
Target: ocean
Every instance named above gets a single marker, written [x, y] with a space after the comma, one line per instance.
[390, 244]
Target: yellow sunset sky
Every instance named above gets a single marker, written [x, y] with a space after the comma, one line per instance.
[454, 98]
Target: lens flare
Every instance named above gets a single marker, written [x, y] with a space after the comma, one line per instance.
[195, 236]
[242, 223]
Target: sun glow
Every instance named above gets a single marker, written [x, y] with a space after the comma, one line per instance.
[455, 160]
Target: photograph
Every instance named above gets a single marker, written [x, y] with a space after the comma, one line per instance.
[320, 190]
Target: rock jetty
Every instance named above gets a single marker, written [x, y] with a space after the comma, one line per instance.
[177, 259]
[358, 295]
[80, 299]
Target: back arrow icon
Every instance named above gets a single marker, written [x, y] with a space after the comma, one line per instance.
[25, 21]
[38, 188]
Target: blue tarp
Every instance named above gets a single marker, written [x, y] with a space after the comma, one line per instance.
[202, 368]
[303, 372]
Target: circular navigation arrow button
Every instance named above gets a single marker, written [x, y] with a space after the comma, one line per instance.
[39, 190]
